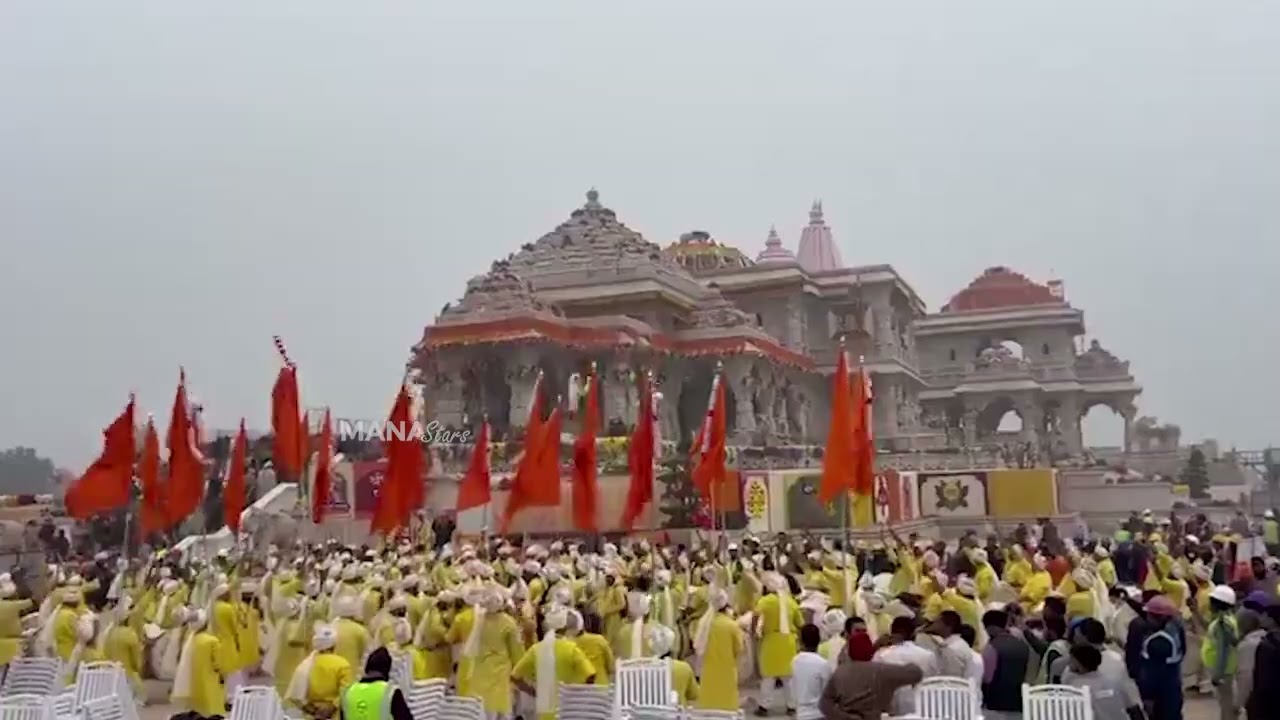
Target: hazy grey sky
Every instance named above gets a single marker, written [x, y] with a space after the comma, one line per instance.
[179, 181]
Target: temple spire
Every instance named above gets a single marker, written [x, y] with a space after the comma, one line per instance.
[773, 251]
[818, 252]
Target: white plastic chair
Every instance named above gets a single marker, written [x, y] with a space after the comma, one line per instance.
[424, 698]
[107, 708]
[32, 676]
[461, 708]
[256, 702]
[713, 715]
[948, 698]
[1056, 702]
[652, 712]
[98, 680]
[26, 707]
[643, 681]
[585, 702]
[64, 703]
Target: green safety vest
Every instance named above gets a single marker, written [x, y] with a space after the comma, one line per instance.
[1209, 647]
[1271, 532]
[367, 701]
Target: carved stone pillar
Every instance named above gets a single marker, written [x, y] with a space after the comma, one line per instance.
[520, 381]
[738, 374]
[1069, 416]
[1129, 413]
[671, 384]
[768, 396]
[617, 384]
[443, 394]
[970, 422]
[795, 323]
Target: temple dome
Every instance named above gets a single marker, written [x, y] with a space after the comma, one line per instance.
[818, 250]
[591, 243]
[999, 287]
[774, 252]
[698, 253]
[496, 295]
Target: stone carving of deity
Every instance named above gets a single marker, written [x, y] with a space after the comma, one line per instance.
[797, 411]
[779, 411]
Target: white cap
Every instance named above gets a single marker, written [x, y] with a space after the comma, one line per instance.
[1223, 594]
[324, 638]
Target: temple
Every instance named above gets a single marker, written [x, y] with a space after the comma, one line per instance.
[592, 290]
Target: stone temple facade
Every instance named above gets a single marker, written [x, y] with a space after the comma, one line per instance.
[594, 291]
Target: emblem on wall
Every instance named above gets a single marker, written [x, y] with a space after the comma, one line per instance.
[952, 494]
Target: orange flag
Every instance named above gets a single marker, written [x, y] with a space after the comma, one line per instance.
[404, 469]
[233, 491]
[287, 425]
[640, 456]
[537, 480]
[474, 490]
[839, 459]
[153, 516]
[184, 489]
[709, 471]
[584, 460]
[106, 484]
[324, 472]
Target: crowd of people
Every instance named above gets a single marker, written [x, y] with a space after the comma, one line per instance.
[818, 627]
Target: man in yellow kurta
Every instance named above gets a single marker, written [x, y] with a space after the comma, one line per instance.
[12, 609]
[122, 644]
[718, 643]
[984, 576]
[1037, 586]
[223, 625]
[288, 644]
[430, 637]
[198, 686]
[491, 647]
[354, 641]
[777, 623]
[551, 661]
[248, 629]
[683, 680]
[318, 683]
[64, 635]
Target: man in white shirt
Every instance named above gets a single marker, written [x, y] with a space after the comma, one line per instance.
[970, 637]
[810, 672]
[902, 650]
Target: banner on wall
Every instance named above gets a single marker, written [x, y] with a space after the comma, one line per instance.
[341, 489]
[755, 502]
[952, 495]
[895, 497]
[368, 475]
[1023, 493]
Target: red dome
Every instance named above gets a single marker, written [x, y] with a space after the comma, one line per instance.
[1000, 287]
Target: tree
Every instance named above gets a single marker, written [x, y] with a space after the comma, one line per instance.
[24, 472]
[1196, 475]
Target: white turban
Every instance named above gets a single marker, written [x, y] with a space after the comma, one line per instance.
[966, 586]
[661, 638]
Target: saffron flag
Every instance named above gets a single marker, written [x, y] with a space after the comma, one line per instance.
[184, 488]
[105, 485]
[153, 517]
[404, 469]
[233, 490]
[537, 480]
[324, 472]
[839, 457]
[475, 488]
[584, 460]
[709, 471]
[640, 456]
[287, 425]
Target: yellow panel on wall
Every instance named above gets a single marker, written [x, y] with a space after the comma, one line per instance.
[1022, 493]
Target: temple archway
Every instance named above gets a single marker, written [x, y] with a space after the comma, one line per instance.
[999, 417]
[1102, 426]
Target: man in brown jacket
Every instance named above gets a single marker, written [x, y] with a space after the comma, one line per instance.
[864, 690]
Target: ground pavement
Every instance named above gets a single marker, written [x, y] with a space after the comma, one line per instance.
[1197, 708]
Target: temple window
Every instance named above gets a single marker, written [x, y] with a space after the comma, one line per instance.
[1044, 349]
[952, 354]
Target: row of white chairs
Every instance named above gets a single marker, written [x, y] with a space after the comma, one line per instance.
[32, 690]
[950, 698]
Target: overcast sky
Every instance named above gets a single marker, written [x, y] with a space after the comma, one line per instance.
[181, 180]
